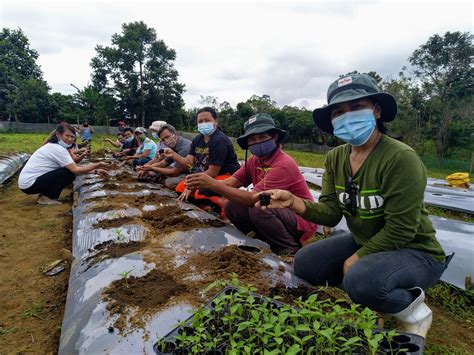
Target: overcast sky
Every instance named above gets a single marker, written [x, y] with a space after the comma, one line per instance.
[289, 50]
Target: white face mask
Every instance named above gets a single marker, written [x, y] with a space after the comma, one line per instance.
[64, 144]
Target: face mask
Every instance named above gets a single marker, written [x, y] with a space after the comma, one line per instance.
[263, 148]
[171, 141]
[155, 135]
[355, 127]
[63, 144]
[129, 140]
[206, 128]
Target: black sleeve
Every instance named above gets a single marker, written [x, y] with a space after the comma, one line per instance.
[217, 151]
[194, 143]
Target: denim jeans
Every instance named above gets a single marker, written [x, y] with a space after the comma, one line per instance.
[141, 161]
[380, 281]
[277, 227]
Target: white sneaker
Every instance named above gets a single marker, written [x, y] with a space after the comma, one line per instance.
[417, 317]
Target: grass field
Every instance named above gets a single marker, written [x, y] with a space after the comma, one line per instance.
[29, 142]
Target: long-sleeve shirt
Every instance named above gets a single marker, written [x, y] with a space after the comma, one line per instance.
[390, 211]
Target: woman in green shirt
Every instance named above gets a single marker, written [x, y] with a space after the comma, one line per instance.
[377, 183]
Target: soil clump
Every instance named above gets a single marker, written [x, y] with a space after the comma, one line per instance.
[106, 207]
[172, 218]
[112, 250]
[136, 298]
[112, 223]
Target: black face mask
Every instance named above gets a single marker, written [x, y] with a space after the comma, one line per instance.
[85, 125]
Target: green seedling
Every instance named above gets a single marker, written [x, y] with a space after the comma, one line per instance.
[245, 323]
[126, 275]
[120, 235]
[36, 310]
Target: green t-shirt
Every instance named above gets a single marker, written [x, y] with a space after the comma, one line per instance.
[390, 211]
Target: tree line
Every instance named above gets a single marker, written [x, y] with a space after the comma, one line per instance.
[134, 79]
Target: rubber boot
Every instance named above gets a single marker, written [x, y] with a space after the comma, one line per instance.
[417, 317]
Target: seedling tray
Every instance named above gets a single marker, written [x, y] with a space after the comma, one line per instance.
[402, 343]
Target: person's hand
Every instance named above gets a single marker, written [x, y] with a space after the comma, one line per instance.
[278, 199]
[142, 174]
[105, 165]
[350, 261]
[101, 172]
[127, 158]
[169, 153]
[144, 168]
[185, 195]
[199, 180]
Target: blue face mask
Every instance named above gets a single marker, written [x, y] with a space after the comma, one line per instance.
[155, 135]
[63, 144]
[355, 127]
[263, 148]
[206, 128]
[128, 140]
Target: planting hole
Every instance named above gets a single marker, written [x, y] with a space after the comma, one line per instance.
[410, 348]
[249, 248]
[401, 338]
[389, 346]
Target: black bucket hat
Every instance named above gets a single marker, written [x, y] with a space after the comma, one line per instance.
[354, 87]
[259, 123]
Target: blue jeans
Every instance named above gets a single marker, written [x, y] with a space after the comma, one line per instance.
[379, 281]
[141, 161]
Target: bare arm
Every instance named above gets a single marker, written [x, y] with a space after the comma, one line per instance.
[212, 170]
[115, 144]
[84, 169]
[188, 161]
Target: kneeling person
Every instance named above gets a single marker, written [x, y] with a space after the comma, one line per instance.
[268, 168]
[173, 171]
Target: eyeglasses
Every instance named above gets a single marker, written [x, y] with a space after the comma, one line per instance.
[350, 199]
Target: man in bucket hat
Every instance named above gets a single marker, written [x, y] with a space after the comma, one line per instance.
[377, 184]
[268, 168]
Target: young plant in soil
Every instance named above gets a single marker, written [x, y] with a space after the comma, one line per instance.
[120, 235]
[264, 197]
[125, 275]
[239, 321]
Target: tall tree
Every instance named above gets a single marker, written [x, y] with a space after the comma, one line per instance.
[21, 79]
[443, 67]
[138, 69]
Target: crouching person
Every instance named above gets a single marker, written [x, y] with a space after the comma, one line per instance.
[51, 168]
[377, 183]
[172, 171]
[268, 168]
[212, 153]
[145, 152]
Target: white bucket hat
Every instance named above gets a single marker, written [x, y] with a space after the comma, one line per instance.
[157, 125]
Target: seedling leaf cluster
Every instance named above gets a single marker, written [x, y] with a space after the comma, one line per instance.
[239, 321]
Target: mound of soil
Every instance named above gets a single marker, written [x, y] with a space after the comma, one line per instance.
[151, 198]
[112, 223]
[172, 218]
[111, 250]
[106, 207]
[122, 187]
[144, 294]
[123, 177]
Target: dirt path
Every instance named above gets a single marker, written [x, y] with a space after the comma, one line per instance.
[31, 304]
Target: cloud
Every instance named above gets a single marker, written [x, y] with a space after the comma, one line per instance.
[289, 50]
